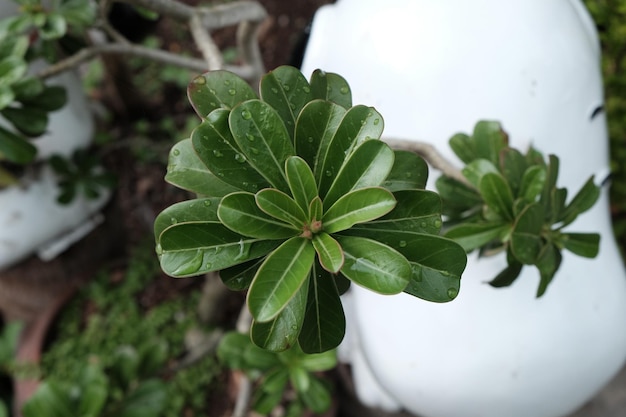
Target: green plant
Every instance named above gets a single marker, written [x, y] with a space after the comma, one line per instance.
[25, 101]
[135, 348]
[275, 371]
[511, 202]
[299, 197]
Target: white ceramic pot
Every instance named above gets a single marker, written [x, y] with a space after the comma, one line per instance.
[30, 218]
[434, 68]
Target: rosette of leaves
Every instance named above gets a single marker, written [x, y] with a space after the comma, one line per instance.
[300, 198]
[276, 372]
[511, 202]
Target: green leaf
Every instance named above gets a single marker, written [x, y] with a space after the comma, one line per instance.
[415, 211]
[54, 28]
[317, 397]
[231, 349]
[463, 147]
[471, 236]
[359, 124]
[331, 87]
[358, 206]
[264, 402]
[15, 148]
[147, 400]
[240, 213]
[315, 127]
[49, 400]
[275, 380]
[367, 166]
[263, 139]
[374, 265]
[319, 362]
[218, 89]
[548, 263]
[287, 91]
[582, 201]
[239, 277]
[329, 252]
[299, 378]
[282, 207]
[12, 68]
[301, 181]
[324, 321]
[185, 170]
[508, 275]
[216, 148]
[513, 165]
[282, 274]
[437, 264]
[94, 391]
[6, 96]
[526, 241]
[497, 194]
[28, 88]
[198, 210]
[550, 184]
[316, 210]
[457, 197]
[533, 182]
[257, 359]
[409, 172]
[282, 332]
[196, 248]
[490, 139]
[475, 171]
[582, 244]
[52, 98]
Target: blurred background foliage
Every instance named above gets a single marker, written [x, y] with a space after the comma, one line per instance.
[610, 18]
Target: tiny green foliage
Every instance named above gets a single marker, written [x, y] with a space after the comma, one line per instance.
[275, 372]
[297, 197]
[511, 202]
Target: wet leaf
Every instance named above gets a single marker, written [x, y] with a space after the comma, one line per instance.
[217, 149]
[332, 87]
[185, 170]
[409, 172]
[367, 166]
[329, 252]
[358, 206]
[240, 213]
[218, 89]
[280, 277]
[282, 207]
[263, 139]
[287, 91]
[374, 265]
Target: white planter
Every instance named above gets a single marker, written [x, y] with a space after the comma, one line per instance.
[30, 218]
[434, 68]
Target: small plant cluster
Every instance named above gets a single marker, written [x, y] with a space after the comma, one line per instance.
[25, 100]
[511, 202]
[275, 371]
[298, 198]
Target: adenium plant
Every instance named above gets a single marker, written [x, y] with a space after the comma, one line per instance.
[511, 202]
[297, 198]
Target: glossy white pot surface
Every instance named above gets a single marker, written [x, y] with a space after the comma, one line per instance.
[432, 69]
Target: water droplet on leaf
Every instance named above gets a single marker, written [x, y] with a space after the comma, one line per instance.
[240, 158]
[452, 293]
[344, 90]
[250, 137]
[207, 203]
[376, 121]
[246, 114]
[402, 243]
[232, 91]
[217, 153]
[175, 152]
[306, 89]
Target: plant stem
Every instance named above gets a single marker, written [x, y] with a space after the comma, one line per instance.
[432, 157]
